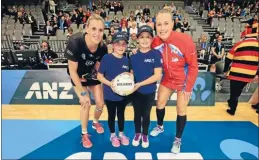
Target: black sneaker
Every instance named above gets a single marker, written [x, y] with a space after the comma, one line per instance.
[229, 104]
[232, 113]
[255, 106]
[257, 111]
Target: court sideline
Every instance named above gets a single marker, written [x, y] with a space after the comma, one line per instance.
[71, 112]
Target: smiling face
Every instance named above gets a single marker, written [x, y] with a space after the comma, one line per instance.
[164, 25]
[123, 25]
[219, 38]
[95, 30]
[145, 40]
[120, 47]
[203, 38]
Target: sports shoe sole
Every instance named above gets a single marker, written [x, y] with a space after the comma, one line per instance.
[87, 146]
[143, 146]
[157, 134]
[135, 145]
[97, 131]
[124, 144]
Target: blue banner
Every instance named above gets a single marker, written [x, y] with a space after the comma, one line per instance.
[54, 87]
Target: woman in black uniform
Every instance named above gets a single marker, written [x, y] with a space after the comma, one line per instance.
[84, 53]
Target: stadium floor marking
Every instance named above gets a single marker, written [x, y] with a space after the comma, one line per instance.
[71, 112]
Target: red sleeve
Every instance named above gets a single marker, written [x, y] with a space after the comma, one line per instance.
[156, 42]
[191, 60]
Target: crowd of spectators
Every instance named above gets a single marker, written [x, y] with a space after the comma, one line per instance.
[208, 47]
[20, 16]
[212, 47]
[230, 9]
[140, 16]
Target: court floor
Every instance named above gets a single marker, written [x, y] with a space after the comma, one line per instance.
[53, 132]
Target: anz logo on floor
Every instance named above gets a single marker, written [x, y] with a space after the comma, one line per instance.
[226, 147]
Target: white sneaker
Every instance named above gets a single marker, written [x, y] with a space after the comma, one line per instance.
[157, 130]
[145, 141]
[136, 139]
[176, 146]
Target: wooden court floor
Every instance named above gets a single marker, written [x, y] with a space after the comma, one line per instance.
[71, 112]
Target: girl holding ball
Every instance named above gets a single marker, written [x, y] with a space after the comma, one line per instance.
[111, 66]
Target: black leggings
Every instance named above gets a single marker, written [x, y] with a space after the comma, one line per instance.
[142, 104]
[113, 107]
[236, 88]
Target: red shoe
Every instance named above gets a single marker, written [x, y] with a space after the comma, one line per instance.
[98, 127]
[86, 141]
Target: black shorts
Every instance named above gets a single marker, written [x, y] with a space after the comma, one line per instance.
[214, 60]
[88, 83]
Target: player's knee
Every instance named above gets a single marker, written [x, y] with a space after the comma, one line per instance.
[160, 104]
[85, 108]
[181, 111]
[99, 106]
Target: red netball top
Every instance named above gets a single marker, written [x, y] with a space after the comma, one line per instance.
[179, 61]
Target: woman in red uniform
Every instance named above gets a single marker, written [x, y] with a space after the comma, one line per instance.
[180, 72]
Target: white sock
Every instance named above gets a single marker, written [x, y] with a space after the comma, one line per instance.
[120, 134]
[84, 131]
[178, 139]
[113, 134]
[95, 121]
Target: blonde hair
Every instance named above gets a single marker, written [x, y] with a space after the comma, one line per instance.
[98, 18]
[165, 11]
[95, 17]
[178, 30]
[70, 29]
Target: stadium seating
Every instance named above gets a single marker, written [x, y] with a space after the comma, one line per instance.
[16, 35]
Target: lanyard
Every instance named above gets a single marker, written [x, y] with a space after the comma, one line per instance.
[219, 46]
[203, 45]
